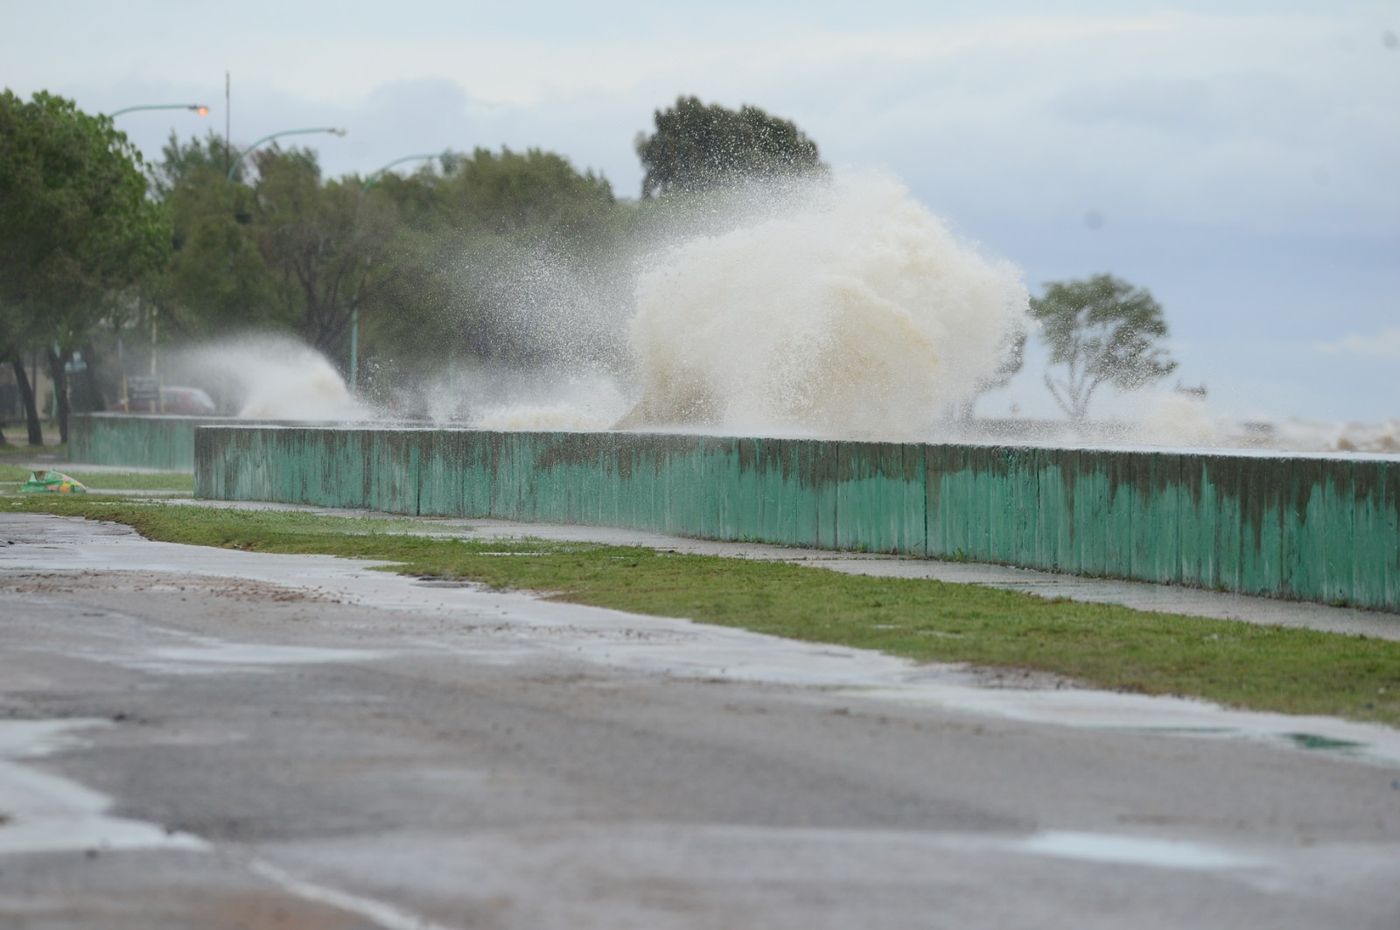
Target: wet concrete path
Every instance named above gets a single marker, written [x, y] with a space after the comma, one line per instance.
[198, 737]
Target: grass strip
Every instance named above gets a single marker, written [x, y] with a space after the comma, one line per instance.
[13, 451]
[108, 480]
[1245, 665]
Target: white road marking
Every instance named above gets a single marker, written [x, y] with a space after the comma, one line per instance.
[383, 914]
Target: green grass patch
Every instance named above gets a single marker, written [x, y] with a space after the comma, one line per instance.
[1266, 668]
[25, 453]
[107, 480]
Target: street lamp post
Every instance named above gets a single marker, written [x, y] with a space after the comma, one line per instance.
[238, 159]
[373, 178]
[370, 180]
[199, 108]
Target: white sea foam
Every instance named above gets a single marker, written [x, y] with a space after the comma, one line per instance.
[845, 309]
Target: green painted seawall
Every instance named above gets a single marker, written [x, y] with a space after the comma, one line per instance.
[135, 440]
[1301, 527]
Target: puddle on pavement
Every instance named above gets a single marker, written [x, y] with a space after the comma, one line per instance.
[222, 658]
[1156, 716]
[224, 653]
[49, 813]
[1130, 850]
[1325, 743]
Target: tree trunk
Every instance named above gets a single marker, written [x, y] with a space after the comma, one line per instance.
[4, 441]
[59, 374]
[26, 395]
[86, 393]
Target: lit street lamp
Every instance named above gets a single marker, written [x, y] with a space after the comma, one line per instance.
[238, 159]
[199, 108]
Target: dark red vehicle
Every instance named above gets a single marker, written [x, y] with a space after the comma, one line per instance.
[184, 401]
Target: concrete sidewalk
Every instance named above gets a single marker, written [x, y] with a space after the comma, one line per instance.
[1137, 595]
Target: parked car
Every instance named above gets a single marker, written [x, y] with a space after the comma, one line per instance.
[183, 401]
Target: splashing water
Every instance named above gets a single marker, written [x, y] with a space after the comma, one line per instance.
[838, 308]
[268, 377]
[850, 310]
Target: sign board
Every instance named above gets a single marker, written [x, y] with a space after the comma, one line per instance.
[142, 393]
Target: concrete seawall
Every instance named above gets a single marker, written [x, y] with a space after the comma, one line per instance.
[135, 440]
[1314, 528]
[150, 440]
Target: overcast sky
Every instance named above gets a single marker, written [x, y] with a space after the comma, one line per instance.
[1242, 160]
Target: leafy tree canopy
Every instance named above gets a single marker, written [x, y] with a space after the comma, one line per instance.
[320, 239]
[510, 192]
[194, 161]
[77, 232]
[78, 225]
[1103, 330]
[697, 147]
[217, 278]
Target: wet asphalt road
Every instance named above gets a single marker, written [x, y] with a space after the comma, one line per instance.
[199, 738]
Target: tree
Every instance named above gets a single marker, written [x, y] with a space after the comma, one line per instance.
[275, 247]
[697, 147]
[1011, 360]
[217, 279]
[1104, 331]
[321, 240]
[491, 262]
[13, 340]
[452, 260]
[534, 195]
[78, 230]
[183, 162]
